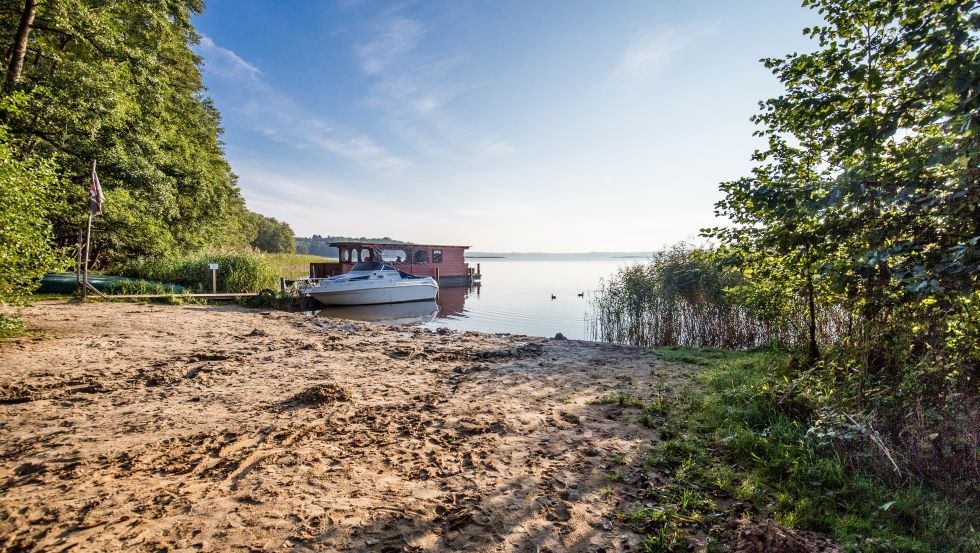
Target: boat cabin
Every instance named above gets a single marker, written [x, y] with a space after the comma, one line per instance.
[446, 264]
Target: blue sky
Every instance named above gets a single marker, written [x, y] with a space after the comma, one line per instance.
[507, 126]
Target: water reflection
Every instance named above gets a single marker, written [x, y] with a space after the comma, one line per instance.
[452, 300]
[409, 313]
[451, 303]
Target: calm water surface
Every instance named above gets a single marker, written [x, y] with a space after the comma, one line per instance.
[515, 297]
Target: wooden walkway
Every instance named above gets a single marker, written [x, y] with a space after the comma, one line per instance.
[218, 296]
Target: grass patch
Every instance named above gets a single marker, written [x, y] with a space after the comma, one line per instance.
[293, 265]
[10, 326]
[739, 439]
[704, 357]
[621, 399]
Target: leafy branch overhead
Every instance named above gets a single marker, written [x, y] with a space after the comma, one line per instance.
[118, 82]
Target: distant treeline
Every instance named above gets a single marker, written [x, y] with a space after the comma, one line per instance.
[318, 245]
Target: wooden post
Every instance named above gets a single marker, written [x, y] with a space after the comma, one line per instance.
[78, 261]
[437, 273]
[214, 281]
[282, 284]
[88, 241]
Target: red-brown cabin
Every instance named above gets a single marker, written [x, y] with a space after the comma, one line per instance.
[446, 264]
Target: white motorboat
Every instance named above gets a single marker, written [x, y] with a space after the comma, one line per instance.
[370, 283]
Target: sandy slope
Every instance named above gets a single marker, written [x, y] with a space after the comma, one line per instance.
[146, 427]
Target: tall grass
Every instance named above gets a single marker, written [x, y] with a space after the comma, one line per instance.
[237, 272]
[678, 298]
[684, 297]
[293, 265]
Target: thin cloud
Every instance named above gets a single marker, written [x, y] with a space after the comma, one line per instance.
[224, 61]
[651, 50]
[414, 90]
[278, 116]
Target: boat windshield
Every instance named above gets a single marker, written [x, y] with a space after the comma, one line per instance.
[371, 266]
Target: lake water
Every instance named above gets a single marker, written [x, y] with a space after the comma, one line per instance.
[514, 296]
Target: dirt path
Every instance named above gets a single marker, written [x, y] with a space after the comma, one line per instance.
[194, 428]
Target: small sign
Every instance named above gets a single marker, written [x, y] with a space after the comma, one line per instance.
[213, 266]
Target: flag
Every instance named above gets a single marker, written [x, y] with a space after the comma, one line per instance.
[95, 196]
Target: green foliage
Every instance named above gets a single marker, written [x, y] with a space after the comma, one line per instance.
[746, 433]
[864, 200]
[118, 82]
[28, 198]
[10, 326]
[137, 286]
[858, 228]
[238, 272]
[273, 236]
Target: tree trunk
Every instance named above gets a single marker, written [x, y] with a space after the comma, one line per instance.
[20, 44]
[812, 352]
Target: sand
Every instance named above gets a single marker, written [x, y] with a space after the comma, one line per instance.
[202, 428]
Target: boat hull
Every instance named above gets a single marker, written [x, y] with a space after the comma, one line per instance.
[376, 295]
[402, 313]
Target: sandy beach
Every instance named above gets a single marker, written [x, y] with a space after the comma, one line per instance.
[196, 428]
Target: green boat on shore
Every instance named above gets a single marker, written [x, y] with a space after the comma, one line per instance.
[66, 283]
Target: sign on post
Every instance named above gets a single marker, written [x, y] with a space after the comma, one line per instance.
[214, 277]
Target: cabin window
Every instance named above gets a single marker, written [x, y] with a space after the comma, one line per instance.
[394, 256]
[345, 257]
[437, 256]
[421, 256]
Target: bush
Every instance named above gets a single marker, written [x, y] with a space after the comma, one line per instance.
[27, 199]
[237, 272]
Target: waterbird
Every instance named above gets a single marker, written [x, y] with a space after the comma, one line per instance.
[581, 294]
[554, 297]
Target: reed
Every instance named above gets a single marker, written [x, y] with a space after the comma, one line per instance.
[686, 296]
[679, 299]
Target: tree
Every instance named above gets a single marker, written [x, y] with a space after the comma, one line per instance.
[273, 236]
[117, 81]
[866, 196]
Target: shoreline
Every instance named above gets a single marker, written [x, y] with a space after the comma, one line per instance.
[145, 426]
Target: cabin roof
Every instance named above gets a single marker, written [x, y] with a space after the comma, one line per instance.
[389, 245]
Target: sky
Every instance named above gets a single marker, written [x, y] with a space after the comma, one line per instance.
[563, 126]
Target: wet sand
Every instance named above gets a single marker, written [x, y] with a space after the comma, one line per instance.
[196, 428]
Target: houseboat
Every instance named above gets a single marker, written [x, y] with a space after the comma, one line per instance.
[446, 264]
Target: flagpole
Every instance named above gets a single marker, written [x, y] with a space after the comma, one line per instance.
[88, 241]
